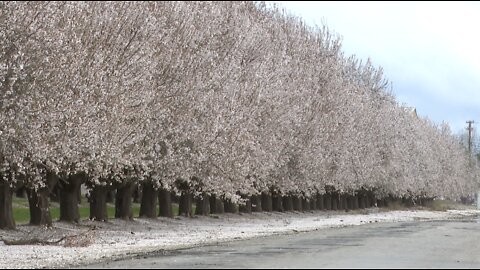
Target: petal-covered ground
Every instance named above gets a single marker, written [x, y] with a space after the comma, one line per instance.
[67, 245]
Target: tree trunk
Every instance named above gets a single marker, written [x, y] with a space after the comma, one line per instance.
[340, 205]
[39, 207]
[313, 203]
[334, 198]
[256, 203]
[165, 203]
[219, 206]
[408, 201]
[185, 204]
[277, 204]
[388, 201]
[21, 192]
[230, 207]
[216, 205]
[266, 202]
[327, 201]
[203, 205]
[380, 203]
[98, 203]
[213, 204]
[245, 208]
[367, 201]
[6, 210]
[320, 202]
[361, 201]
[355, 202]
[287, 203]
[148, 205]
[297, 203]
[123, 201]
[39, 203]
[343, 199]
[305, 204]
[69, 198]
[349, 202]
[372, 199]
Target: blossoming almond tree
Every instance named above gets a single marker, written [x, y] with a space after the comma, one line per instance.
[233, 100]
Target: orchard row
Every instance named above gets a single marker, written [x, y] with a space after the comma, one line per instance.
[230, 99]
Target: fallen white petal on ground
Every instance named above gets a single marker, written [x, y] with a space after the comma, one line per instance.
[117, 238]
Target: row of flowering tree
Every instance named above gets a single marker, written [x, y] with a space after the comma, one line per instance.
[231, 103]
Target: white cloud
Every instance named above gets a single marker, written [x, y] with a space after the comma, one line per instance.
[429, 50]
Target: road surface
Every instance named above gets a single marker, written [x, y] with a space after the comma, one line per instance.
[425, 244]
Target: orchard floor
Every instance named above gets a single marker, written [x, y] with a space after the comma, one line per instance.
[96, 242]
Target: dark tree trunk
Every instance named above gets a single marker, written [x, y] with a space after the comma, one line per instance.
[340, 205]
[343, 199]
[230, 207]
[39, 204]
[388, 201]
[313, 203]
[266, 202]
[408, 202]
[372, 199]
[305, 204]
[213, 204]
[247, 207]
[349, 202]
[380, 203]
[425, 201]
[39, 207]
[367, 201]
[123, 201]
[256, 203]
[320, 202]
[69, 198]
[334, 202]
[6, 210]
[327, 201]
[297, 203]
[216, 205]
[355, 202]
[361, 201]
[21, 192]
[185, 204]
[287, 203]
[98, 203]
[203, 205]
[277, 204]
[219, 206]
[165, 203]
[148, 205]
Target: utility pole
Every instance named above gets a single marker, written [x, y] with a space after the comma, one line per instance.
[470, 129]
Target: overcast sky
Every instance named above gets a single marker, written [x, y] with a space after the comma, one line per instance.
[430, 51]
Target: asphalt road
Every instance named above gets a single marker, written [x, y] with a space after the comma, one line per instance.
[426, 244]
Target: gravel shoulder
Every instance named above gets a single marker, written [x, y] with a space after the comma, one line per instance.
[93, 242]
